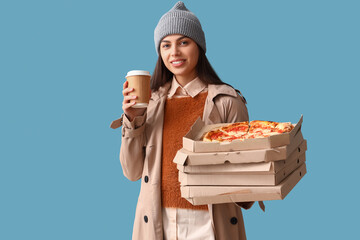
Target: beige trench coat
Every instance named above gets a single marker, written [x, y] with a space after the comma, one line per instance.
[140, 158]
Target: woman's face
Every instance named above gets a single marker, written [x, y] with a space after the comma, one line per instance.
[180, 55]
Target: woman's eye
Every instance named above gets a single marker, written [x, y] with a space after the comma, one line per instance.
[183, 43]
[165, 45]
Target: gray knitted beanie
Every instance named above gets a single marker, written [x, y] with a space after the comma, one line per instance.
[179, 20]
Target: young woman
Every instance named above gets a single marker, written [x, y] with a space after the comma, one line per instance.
[184, 87]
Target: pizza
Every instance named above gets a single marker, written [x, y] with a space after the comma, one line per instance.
[215, 135]
[236, 129]
[247, 130]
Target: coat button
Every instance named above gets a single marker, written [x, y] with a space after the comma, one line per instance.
[146, 219]
[146, 179]
[233, 220]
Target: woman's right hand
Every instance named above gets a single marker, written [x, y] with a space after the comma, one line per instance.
[129, 111]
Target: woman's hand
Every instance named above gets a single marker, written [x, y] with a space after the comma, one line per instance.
[129, 111]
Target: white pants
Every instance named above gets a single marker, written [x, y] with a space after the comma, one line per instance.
[187, 224]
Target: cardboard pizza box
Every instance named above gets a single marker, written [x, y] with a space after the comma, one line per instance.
[224, 167]
[192, 140]
[243, 178]
[198, 195]
[187, 158]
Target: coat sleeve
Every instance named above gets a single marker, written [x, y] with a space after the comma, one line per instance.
[132, 147]
[232, 109]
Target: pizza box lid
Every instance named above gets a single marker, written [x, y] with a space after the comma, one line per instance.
[220, 166]
[192, 140]
[236, 178]
[199, 195]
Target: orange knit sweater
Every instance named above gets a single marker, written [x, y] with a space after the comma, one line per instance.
[180, 114]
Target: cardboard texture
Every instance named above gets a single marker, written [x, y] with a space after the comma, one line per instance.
[192, 140]
[198, 195]
[230, 179]
[219, 166]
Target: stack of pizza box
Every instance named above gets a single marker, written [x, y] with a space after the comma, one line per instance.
[238, 171]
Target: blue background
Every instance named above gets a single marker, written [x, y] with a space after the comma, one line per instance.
[62, 65]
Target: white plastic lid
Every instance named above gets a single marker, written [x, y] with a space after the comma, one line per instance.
[137, 72]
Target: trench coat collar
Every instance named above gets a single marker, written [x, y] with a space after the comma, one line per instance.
[161, 92]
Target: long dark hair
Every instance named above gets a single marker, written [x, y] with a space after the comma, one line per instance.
[205, 72]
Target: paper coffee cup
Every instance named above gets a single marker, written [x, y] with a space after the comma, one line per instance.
[140, 81]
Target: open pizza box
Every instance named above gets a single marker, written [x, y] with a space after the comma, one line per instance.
[188, 158]
[198, 195]
[192, 141]
[224, 166]
[242, 178]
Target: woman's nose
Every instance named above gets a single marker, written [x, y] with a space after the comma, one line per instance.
[175, 51]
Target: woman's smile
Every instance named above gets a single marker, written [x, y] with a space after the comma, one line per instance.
[177, 63]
